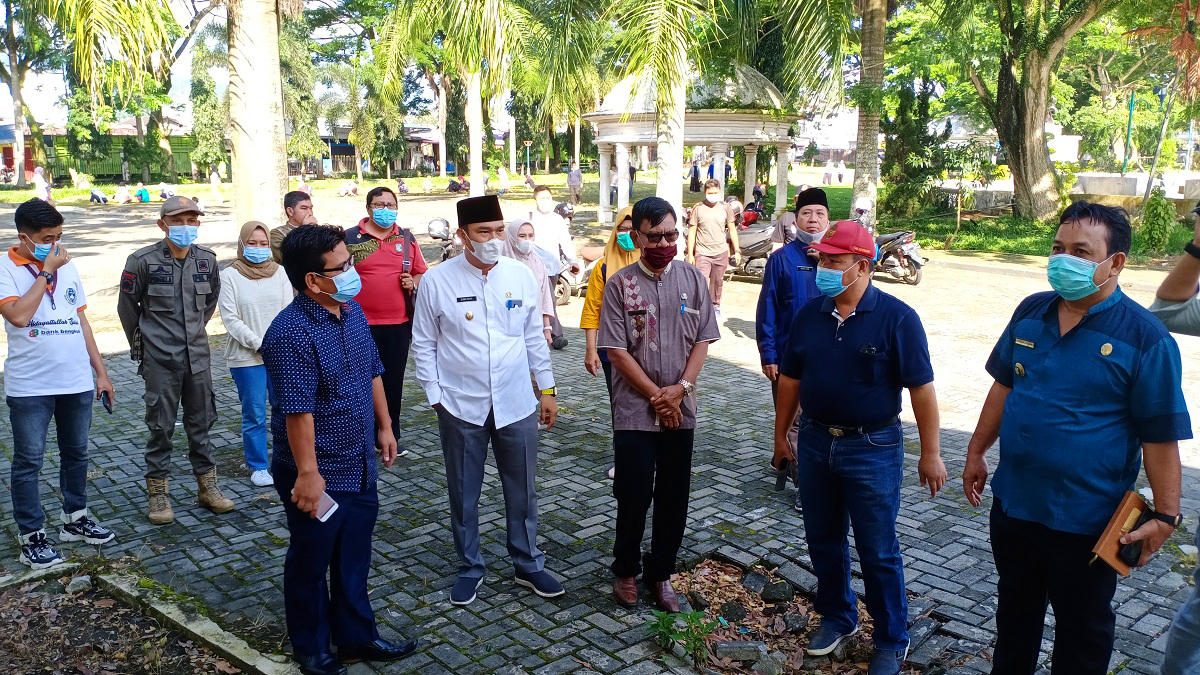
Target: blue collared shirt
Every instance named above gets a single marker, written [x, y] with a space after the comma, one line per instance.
[789, 281]
[1081, 406]
[324, 365]
[852, 369]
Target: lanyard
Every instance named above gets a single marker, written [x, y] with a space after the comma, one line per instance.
[49, 286]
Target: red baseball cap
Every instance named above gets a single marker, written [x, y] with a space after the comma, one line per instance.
[846, 236]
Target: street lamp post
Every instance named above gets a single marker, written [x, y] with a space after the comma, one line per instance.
[527, 144]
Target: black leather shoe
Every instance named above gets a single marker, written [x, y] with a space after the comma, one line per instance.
[379, 650]
[321, 664]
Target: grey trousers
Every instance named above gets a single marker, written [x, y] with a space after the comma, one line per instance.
[464, 446]
[166, 387]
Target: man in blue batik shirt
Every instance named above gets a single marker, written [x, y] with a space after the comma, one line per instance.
[1087, 383]
[788, 283]
[329, 416]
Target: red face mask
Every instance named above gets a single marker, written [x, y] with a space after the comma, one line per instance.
[659, 257]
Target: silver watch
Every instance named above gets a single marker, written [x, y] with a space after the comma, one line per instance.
[688, 387]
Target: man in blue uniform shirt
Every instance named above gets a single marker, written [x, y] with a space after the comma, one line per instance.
[848, 357]
[788, 283]
[1086, 382]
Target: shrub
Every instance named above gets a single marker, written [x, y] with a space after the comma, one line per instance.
[1157, 221]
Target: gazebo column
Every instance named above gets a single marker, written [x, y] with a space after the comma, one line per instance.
[781, 178]
[605, 149]
[622, 175]
[751, 173]
[644, 157]
[720, 155]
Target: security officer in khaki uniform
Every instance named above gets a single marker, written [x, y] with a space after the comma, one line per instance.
[168, 293]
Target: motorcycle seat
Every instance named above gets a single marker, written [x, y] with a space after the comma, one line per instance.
[887, 238]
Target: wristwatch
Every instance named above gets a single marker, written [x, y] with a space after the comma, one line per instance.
[47, 276]
[1192, 249]
[688, 387]
[552, 391]
[1173, 521]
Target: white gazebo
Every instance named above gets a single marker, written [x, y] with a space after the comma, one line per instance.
[740, 109]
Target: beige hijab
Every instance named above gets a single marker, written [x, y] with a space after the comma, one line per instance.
[253, 271]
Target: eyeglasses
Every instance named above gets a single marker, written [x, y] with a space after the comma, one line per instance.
[657, 237]
[349, 265]
[377, 205]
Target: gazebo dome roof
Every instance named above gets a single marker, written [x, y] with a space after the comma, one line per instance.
[743, 89]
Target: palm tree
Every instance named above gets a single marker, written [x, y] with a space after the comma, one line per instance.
[480, 40]
[570, 83]
[870, 100]
[356, 99]
[256, 106]
[110, 44]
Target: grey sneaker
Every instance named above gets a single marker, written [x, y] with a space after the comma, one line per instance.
[887, 662]
[79, 527]
[825, 640]
[38, 552]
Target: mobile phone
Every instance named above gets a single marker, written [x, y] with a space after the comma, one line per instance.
[106, 402]
[325, 507]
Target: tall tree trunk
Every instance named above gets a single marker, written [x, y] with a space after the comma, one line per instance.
[141, 136]
[512, 145]
[158, 121]
[866, 154]
[552, 149]
[1022, 108]
[14, 86]
[475, 130]
[442, 111]
[358, 163]
[1162, 133]
[256, 110]
[576, 155]
[37, 144]
[320, 161]
[670, 139]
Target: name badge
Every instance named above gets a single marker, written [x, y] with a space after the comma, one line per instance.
[637, 312]
[804, 268]
[514, 303]
[469, 298]
[1025, 343]
[691, 310]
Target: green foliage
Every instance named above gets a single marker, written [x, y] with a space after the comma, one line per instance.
[914, 156]
[811, 151]
[662, 628]
[299, 77]
[1157, 221]
[88, 125]
[210, 111]
[689, 628]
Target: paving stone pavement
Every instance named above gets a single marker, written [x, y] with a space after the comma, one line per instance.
[232, 564]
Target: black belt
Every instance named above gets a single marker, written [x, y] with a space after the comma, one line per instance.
[839, 431]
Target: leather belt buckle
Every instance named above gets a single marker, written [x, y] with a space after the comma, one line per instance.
[836, 432]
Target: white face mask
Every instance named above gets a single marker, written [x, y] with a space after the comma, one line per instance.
[488, 252]
[712, 199]
[525, 246]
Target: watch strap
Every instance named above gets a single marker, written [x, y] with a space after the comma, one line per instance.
[552, 391]
[49, 277]
[1173, 521]
[1191, 249]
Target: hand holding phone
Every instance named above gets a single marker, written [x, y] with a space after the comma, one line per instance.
[106, 402]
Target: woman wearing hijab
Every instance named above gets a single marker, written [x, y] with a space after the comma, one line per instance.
[254, 288]
[519, 246]
[694, 186]
[41, 186]
[619, 253]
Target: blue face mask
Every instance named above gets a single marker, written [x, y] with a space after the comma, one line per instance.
[1073, 278]
[829, 281]
[348, 285]
[256, 254]
[182, 236]
[384, 217]
[625, 241]
[41, 251]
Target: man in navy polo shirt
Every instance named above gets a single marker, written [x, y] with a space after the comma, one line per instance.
[1087, 383]
[330, 414]
[848, 356]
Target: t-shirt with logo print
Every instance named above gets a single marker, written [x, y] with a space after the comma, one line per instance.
[49, 356]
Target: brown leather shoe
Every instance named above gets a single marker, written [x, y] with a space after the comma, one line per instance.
[625, 591]
[664, 596]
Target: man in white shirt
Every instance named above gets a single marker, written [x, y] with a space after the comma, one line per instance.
[575, 182]
[48, 375]
[552, 234]
[477, 336]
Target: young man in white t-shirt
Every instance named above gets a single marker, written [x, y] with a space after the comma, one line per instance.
[48, 375]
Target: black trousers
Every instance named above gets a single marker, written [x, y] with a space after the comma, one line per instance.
[392, 341]
[1039, 566]
[651, 466]
[337, 611]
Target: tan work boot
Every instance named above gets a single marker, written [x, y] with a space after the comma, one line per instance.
[209, 494]
[161, 512]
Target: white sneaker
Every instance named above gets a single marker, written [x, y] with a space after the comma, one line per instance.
[262, 478]
[612, 473]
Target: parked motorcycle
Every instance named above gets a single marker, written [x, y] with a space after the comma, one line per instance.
[900, 256]
[439, 229]
[755, 242]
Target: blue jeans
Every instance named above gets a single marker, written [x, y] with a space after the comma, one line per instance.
[1183, 641]
[30, 419]
[254, 389]
[855, 480]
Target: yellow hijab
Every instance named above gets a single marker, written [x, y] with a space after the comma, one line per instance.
[615, 257]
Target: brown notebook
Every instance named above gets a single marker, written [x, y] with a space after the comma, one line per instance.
[1124, 519]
